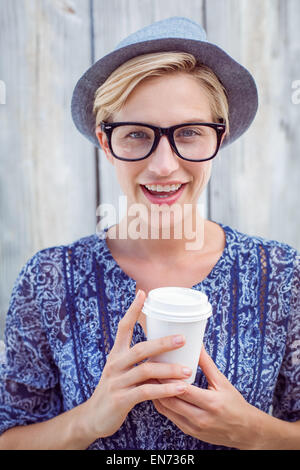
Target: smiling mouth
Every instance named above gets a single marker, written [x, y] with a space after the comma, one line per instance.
[160, 193]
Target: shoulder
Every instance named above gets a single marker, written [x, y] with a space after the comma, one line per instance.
[73, 251]
[46, 269]
[270, 265]
[268, 248]
[275, 263]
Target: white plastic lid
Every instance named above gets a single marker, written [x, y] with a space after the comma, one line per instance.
[179, 304]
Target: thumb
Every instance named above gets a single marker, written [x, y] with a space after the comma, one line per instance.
[126, 324]
[214, 377]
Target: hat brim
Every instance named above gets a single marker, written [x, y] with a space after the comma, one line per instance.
[239, 84]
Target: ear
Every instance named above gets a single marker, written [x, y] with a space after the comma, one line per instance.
[222, 138]
[102, 139]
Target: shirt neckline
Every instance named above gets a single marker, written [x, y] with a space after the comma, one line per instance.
[224, 255]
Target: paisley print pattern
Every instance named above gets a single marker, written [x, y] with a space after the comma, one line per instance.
[64, 312]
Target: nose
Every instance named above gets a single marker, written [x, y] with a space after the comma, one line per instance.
[163, 161]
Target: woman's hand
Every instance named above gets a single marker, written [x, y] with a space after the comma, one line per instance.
[219, 415]
[126, 381]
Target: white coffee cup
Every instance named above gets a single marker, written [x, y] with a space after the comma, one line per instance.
[178, 310]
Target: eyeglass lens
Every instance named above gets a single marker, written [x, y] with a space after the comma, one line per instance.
[194, 142]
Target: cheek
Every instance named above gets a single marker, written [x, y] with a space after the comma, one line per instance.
[207, 172]
[126, 176]
[202, 174]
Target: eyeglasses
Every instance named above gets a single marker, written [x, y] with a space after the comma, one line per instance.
[195, 142]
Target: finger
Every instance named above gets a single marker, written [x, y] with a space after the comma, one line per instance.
[150, 391]
[126, 324]
[147, 349]
[199, 397]
[181, 422]
[155, 371]
[214, 377]
[178, 408]
[181, 407]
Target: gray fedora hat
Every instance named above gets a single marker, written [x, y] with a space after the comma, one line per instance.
[172, 34]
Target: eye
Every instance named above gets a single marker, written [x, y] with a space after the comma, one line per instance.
[137, 135]
[187, 133]
[191, 133]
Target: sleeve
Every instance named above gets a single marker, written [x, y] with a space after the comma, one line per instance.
[286, 401]
[29, 385]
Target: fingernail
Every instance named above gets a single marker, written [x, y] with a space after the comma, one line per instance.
[181, 387]
[186, 371]
[138, 294]
[178, 340]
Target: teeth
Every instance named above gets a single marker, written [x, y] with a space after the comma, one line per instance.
[165, 188]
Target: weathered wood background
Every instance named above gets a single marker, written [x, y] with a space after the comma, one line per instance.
[52, 179]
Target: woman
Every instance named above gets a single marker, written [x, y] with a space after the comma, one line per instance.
[78, 371]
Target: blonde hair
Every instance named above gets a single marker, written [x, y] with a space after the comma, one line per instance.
[112, 94]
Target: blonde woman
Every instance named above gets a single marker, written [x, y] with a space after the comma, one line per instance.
[78, 371]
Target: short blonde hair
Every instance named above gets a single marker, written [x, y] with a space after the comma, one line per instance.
[112, 94]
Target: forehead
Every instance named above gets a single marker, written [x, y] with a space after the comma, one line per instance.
[166, 100]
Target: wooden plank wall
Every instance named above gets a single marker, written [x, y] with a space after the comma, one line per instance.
[47, 175]
[255, 185]
[52, 179]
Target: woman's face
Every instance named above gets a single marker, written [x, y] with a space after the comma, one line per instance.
[163, 101]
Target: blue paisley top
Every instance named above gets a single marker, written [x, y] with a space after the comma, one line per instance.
[64, 312]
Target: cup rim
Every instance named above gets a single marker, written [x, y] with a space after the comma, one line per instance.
[166, 311]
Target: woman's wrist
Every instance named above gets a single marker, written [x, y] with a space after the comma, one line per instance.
[270, 433]
[81, 428]
[67, 431]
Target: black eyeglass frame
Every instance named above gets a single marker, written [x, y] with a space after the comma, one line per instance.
[159, 132]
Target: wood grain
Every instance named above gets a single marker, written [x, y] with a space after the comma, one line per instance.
[52, 178]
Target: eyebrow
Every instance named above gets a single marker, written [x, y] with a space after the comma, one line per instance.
[186, 121]
[189, 121]
[198, 119]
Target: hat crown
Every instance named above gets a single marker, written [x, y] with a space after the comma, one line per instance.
[172, 34]
[175, 27]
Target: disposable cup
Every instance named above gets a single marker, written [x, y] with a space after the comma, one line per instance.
[178, 310]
